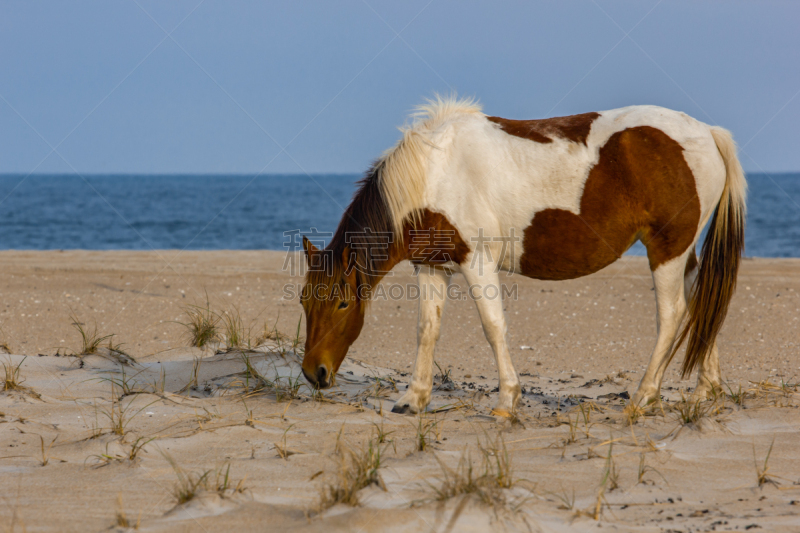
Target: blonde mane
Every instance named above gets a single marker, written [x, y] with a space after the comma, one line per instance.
[402, 181]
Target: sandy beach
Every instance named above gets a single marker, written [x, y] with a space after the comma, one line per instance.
[577, 462]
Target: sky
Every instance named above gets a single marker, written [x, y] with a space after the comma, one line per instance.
[213, 86]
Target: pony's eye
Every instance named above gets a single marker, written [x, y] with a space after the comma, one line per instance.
[343, 305]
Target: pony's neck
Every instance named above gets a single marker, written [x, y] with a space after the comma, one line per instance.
[369, 256]
[367, 244]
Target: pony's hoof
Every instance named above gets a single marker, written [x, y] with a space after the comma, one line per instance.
[706, 392]
[402, 409]
[701, 396]
[501, 412]
[410, 403]
[643, 399]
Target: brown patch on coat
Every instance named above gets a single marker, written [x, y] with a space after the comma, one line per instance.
[574, 128]
[433, 241]
[640, 188]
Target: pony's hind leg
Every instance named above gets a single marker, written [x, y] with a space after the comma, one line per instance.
[670, 308]
[709, 377]
[433, 291]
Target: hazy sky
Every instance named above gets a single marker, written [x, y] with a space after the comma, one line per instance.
[329, 82]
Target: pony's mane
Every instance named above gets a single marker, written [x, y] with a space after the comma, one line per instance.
[391, 192]
[402, 181]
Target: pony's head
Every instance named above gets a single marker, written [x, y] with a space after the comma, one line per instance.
[334, 312]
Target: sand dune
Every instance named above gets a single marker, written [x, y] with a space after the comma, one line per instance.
[67, 434]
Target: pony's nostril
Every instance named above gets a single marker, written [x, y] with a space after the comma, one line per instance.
[322, 375]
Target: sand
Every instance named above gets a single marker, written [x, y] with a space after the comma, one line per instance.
[578, 345]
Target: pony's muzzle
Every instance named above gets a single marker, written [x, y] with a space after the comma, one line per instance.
[320, 379]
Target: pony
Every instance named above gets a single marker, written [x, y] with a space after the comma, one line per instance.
[551, 199]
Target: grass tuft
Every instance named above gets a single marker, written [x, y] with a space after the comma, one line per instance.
[12, 380]
[689, 412]
[427, 432]
[237, 336]
[632, 413]
[120, 415]
[382, 435]
[201, 325]
[444, 379]
[276, 341]
[488, 483]
[105, 459]
[90, 340]
[356, 470]
[191, 484]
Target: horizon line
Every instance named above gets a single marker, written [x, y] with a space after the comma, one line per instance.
[176, 174]
[242, 174]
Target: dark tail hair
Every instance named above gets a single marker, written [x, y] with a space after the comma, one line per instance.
[719, 263]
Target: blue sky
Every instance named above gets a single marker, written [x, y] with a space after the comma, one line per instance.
[149, 86]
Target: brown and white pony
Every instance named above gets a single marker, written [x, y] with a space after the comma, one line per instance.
[576, 192]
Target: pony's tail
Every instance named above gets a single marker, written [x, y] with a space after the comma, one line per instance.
[719, 263]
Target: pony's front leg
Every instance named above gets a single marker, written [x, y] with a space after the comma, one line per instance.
[484, 288]
[433, 291]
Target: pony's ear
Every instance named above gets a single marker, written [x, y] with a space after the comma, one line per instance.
[309, 248]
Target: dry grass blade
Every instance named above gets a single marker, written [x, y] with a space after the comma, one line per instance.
[572, 436]
[283, 451]
[762, 472]
[608, 482]
[45, 451]
[610, 479]
[4, 347]
[193, 379]
[567, 500]
[644, 469]
[121, 518]
[766, 389]
[357, 469]
[251, 373]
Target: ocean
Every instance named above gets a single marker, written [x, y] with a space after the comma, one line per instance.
[222, 212]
